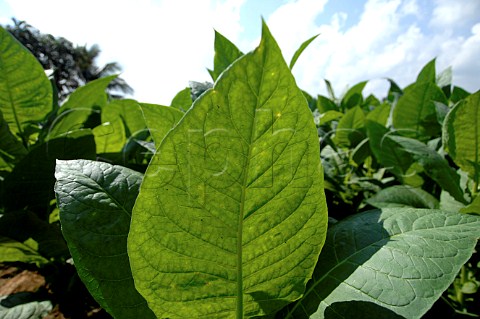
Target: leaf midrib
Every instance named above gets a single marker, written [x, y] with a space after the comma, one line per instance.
[240, 310]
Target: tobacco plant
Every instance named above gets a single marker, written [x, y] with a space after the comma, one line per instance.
[229, 219]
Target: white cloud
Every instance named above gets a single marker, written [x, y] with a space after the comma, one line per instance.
[448, 15]
[389, 40]
[161, 44]
[466, 64]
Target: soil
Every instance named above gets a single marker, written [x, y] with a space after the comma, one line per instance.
[58, 283]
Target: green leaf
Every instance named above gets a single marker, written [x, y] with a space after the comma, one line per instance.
[28, 310]
[361, 152]
[387, 151]
[403, 196]
[11, 149]
[225, 53]
[435, 166]
[324, 104]
[231, 214]
[461, 135]
[330, 116]
[473, 207]
[84, 101]
[14, 251]
[110, 136]
[30, 184]
[160, 119]
[427, 74]
[96, 201]
[183, 100]
[331, 93]
[396, 260]
[458, 94]
[445, 77]
[43, 238]
[394, 92]
[350, 129]
[354, 96]
[25, 91]
[380, 114]
[300, 50]
[121, 121]
[415, 114]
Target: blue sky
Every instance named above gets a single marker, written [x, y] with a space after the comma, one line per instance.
[162, 44]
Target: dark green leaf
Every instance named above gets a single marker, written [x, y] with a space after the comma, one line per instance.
[350, 129]
[11, 149]
[435, 166]
[43, 238]
[231, 214]
[398, 259]
[458, 94]
[31, 182]
[324, 104]
[387, 151]
[353, 97]
[96, 201]
[300, 50]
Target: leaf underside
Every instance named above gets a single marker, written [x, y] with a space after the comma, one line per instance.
[393, 262]
[95, 201]
[231, 214]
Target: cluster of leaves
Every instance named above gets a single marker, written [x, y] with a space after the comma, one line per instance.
[35, 131]
[417, 148]
[220, 211]
[73, 66]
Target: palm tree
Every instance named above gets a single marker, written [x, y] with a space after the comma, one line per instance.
[72, 66]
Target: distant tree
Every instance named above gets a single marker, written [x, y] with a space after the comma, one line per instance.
[73, 65]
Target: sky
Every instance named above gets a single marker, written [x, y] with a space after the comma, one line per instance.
[164, 44]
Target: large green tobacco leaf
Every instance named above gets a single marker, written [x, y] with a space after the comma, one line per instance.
[387, 263]
[403, 196]
[225, 53]
[25, 91]
[96, 201]
[81, 104]
[231, 214]
[415, 114]
[160, 119]
[461, 135]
